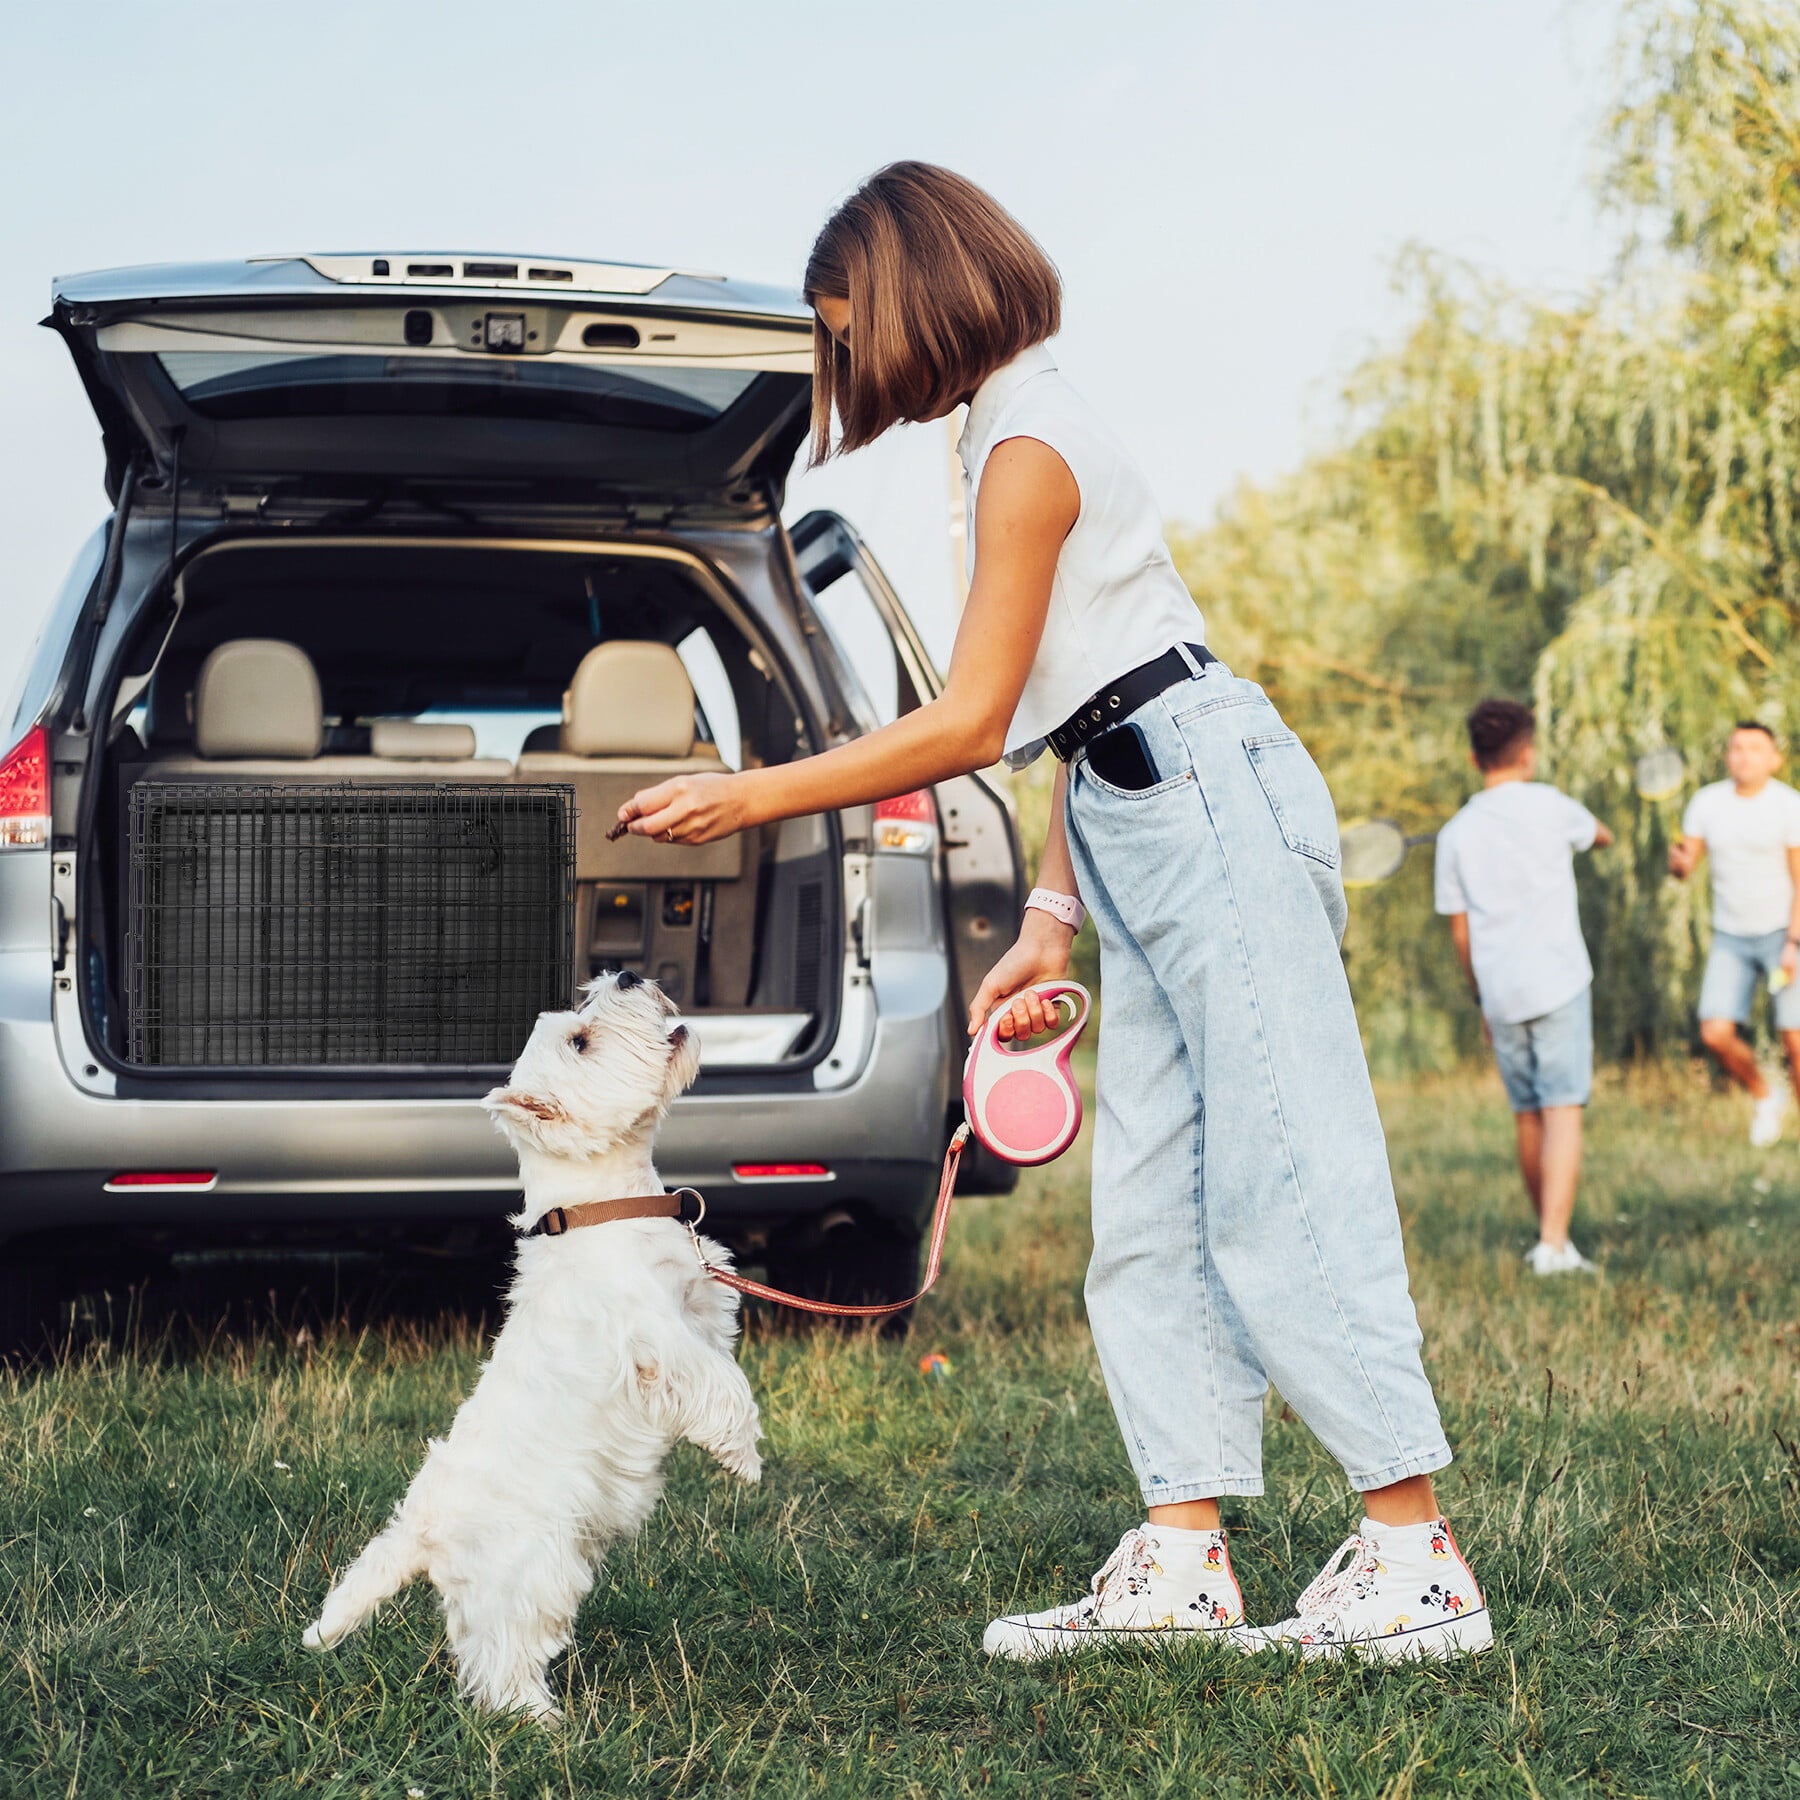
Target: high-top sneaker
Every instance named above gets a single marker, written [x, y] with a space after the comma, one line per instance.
[1391, 1593]
[1158, 1581]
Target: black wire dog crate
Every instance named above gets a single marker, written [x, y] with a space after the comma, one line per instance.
[274, 924]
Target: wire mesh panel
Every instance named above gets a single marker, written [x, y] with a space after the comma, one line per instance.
[393, 923]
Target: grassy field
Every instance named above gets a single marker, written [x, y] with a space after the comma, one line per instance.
[1628, 1485]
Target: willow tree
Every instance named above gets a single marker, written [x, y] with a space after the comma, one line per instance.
[1591, 505]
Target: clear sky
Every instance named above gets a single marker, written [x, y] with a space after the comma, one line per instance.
[1224, 185]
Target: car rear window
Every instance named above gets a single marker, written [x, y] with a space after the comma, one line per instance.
[274, 384]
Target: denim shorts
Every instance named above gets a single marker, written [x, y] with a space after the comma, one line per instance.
[1734, 967]
[1549, 1060]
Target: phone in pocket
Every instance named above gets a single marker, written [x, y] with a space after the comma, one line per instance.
[1121, 759]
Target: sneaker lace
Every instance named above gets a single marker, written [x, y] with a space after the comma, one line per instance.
[1133, 1553]
[1334, 1587]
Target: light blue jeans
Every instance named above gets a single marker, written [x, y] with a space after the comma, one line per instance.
[1244, 1222]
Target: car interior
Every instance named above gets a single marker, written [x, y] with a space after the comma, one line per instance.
[431, 667]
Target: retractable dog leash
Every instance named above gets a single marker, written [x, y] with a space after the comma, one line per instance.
[1019, 1099]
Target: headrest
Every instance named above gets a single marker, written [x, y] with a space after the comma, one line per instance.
[629, 698]
[168, 707]
[258, 697]
[406, 740]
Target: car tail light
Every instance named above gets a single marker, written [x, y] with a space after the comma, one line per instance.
[907, 822]
[129, 1180]
[782, 1171]
[25, 793]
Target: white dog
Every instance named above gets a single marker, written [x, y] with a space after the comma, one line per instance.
[616, 1344]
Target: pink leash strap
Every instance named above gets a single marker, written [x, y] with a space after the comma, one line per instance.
[934, 1256]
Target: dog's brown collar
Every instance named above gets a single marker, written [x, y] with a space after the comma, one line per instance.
[684, 1204]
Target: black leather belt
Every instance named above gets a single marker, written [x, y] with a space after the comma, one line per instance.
[1102, 711]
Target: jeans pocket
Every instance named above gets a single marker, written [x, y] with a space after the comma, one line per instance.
[1297, 795]
[1100, 785]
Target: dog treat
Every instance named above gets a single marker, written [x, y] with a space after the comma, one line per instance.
[618, 831]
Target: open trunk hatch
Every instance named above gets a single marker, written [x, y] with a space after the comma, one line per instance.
[644, 383]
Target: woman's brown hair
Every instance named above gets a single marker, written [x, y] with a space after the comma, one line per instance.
[944, 287]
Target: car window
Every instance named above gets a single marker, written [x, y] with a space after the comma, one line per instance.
[231, 384]
[712, 689]
[498, 732]
[863, 642]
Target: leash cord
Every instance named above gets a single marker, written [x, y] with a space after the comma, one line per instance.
[940, 1227]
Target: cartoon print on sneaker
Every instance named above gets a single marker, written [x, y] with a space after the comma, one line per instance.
[1440, 1544]
[1396, 1626]
[1214, 1611]
[1140, 1574]
[1215, 1559]
[1446, 1598]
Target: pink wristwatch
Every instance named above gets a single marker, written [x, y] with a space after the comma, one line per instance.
[1059, 906]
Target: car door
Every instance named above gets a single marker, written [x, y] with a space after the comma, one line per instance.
[982, 863]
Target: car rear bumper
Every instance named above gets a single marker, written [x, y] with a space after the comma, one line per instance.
[367, 1162]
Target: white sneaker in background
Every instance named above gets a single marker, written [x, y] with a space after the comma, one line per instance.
[1157, 1582]
[1767, 1114]
[1393, 1593]
[1557, 1259]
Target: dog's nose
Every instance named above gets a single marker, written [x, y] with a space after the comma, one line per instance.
[628, 978]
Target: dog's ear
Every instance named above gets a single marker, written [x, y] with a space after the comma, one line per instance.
[684, 1058]
[527, 1118]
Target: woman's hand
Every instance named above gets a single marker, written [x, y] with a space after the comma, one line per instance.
[1041, 953]
[688, 809]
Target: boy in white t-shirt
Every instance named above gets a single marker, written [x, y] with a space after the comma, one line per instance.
[1506, 882]
[1751, 824]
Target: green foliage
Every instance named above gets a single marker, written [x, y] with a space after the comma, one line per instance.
[1625, 1483]
[1588, 505]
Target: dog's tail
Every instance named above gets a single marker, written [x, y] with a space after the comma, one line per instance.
[392, 1559]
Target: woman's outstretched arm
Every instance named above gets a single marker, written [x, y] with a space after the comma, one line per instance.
[1027, 505]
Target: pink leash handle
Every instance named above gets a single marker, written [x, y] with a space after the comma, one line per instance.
[1023, 1103]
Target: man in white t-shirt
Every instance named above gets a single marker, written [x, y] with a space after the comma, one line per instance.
[1751, 825]
[1506, 882]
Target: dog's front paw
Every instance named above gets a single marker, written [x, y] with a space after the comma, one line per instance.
[312, 1638]
[743, 1461]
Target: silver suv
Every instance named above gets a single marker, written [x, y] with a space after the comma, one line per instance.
[416, 565]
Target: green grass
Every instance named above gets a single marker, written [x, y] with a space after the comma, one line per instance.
[1627, 1485]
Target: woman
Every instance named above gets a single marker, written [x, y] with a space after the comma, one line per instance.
[1244, 1220]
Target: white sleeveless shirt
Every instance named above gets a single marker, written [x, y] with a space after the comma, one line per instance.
[1116, 600]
